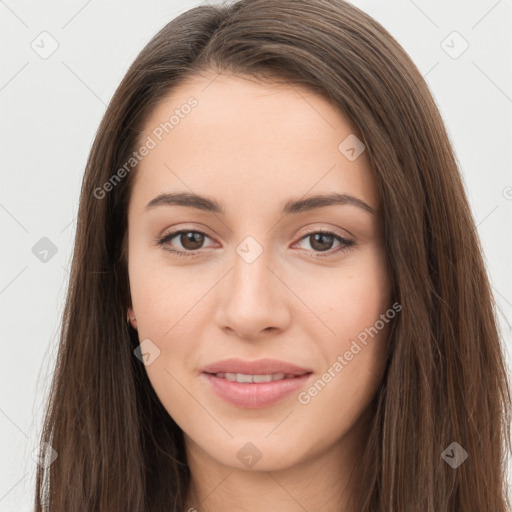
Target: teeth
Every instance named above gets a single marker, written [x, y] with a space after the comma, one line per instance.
[262, 378]
[242, 377]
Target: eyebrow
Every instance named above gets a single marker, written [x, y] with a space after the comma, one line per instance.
[191, 200]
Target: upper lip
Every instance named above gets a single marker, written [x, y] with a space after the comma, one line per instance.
[258, 367]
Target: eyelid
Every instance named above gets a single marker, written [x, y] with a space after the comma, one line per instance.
[172, 233]
[187, 229]
[318, 227]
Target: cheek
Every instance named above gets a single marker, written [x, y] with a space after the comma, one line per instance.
[355, 305]
[352, 377]
[348, 299]
[168, 309]
[163, 296]
[354, 364]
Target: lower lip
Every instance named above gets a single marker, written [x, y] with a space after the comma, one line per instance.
[255, 395]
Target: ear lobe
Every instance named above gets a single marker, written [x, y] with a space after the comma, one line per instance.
[130, 318]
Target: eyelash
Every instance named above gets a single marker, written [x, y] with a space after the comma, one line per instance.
[345, 244]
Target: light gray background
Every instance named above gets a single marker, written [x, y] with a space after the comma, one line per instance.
[52, 107]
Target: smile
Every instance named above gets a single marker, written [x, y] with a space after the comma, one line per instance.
[242, 377]
[255, 391]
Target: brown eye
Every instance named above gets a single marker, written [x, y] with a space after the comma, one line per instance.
[189, 240]
[322, 242]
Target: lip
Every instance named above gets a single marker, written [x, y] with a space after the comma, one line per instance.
[258, 367]
[255, 395]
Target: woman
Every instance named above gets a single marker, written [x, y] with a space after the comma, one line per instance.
[277, 298]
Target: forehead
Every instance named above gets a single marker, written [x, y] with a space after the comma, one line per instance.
[238, 139]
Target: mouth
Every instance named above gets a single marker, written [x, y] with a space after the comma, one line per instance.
[256, 384]
[256, 378]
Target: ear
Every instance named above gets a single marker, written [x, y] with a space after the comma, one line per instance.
[130, 318]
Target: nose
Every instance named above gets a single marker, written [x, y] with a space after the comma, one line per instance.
[253, 301]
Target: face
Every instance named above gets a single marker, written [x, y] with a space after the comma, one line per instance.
[233, 263]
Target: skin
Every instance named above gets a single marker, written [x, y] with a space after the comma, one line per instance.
[252, 146]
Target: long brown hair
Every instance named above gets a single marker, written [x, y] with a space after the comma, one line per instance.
[445, 380]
